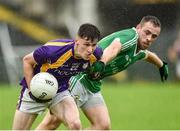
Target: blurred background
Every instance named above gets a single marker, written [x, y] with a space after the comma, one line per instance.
[27, 24]
[140, 100]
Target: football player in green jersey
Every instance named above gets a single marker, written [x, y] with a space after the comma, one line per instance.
[120, 50]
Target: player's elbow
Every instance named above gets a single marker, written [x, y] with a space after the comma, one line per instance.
[25, 59]
[28, 59]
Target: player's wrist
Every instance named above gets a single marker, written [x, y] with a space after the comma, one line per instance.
[96, 70]
[99, 66]
[103, 60]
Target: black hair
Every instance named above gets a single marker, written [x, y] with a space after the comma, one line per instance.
[89, 31]
[153, 19]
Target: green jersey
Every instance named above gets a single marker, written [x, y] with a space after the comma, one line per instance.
[126, 57]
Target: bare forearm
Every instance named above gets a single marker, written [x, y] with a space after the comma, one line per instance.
[28, 73]
[28, 63]
[111, 51]
[108, 55]
[154, 59]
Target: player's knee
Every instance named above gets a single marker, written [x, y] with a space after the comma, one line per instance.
[46, 125]
[53, 126]
[74, 125]
[106, 126]
[103, 125]
[19, 127]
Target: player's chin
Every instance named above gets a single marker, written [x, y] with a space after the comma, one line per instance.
[144, 47]
[87, 58]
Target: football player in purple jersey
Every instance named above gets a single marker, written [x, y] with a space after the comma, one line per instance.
[62, 58]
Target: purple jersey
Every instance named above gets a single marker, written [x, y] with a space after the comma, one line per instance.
[57, 57]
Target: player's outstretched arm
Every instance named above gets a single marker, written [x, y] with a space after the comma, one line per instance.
[163, 66]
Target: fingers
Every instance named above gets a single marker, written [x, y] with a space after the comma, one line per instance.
[164, 72]
[164, 77]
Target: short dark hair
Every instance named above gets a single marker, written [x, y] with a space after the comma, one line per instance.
[90, 31]
[153, 19]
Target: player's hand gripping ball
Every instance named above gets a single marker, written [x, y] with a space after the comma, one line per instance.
[43, 87]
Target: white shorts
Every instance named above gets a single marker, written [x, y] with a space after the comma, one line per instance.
[85, 98]
[28, 105]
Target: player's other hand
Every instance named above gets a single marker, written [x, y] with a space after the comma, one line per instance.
[96, 70]
[164, 71]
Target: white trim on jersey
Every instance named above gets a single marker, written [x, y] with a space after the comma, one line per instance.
[130, 42]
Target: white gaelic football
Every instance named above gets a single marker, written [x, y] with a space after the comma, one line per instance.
[44, 86]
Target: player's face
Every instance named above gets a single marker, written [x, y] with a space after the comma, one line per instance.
[85, 48]
[148, 33]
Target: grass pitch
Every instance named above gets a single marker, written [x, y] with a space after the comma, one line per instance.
[132, 106]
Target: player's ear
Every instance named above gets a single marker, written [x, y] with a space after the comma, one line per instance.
[138, 26]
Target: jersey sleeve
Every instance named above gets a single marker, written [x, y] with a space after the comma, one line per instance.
[98, 52]
[128, 38]
[145, 54]
[41, 55]
[142, 55]
[96, 55]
